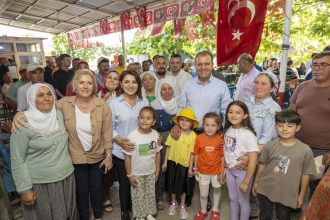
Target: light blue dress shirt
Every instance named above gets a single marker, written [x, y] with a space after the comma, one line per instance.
[212, 96]
[263, 118]
[124, 119]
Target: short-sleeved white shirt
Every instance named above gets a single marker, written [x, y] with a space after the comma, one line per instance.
[143, 161]
[237, 143]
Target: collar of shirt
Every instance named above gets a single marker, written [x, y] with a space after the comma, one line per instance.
[199, 82]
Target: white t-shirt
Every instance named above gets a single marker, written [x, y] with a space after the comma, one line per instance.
[237, 143]
[143, 160]
[84, 129]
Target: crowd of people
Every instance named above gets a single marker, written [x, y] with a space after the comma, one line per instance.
[160, 127]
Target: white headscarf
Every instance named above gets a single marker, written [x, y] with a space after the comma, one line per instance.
[156, 81]
[44, 123]
[171, 107]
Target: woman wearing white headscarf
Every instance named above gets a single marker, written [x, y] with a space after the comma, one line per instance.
[41, 163]
[149, 82]
[166, 106]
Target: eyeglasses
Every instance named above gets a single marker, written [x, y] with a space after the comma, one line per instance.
[320, 65]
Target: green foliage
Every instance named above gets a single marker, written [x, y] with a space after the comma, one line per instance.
[61, 46]
[165, 44]
[310, 30]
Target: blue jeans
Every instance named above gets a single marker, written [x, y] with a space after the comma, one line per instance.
[88, 185]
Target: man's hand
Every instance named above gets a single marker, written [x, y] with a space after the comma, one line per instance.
[300, 201]
[243, 162]
[326, 158]
[126, 144]
[29, 198]
[175, 132]
[19, 121]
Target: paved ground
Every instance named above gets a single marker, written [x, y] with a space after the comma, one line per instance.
[162, 215]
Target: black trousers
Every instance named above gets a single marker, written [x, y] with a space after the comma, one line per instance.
[266, 209]
[124, 185]
[88, 185]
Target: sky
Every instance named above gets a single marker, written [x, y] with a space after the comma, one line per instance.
[108, 40]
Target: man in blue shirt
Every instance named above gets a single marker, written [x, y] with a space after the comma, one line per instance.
[205, 93]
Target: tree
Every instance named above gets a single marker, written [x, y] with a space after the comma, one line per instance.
[61, 46]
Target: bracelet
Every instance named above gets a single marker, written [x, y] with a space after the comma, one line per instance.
[129, 175]
[107, 155]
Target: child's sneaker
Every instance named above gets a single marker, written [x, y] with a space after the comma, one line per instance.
[172, 209]
[215, 215]
[183, 213]
[200, 215]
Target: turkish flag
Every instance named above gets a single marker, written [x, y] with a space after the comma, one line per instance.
[240, 25]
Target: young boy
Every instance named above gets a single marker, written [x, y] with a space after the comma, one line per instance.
[286, 165]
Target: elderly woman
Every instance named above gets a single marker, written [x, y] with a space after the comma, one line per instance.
[41, 163]
[166, 106]
[88, 122]
[149, 86]
[125, 111]
[262, 108]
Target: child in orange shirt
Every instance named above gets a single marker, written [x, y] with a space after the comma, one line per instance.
[209, 164]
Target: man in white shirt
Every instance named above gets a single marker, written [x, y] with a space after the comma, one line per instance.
[178, 74]
[248, 74]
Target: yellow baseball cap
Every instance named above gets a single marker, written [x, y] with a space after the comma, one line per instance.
[187, 113]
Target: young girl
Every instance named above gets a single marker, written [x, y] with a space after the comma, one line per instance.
[178, 158]
[209, 164]
[240, 140]
[142, 165]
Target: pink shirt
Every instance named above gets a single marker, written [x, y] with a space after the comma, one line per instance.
[245, 84]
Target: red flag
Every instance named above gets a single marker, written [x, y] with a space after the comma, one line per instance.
[157, 29]
[178, 27]
[240, 25]
[191, 30]
[126, 21]
[71, 40]
[140, 20]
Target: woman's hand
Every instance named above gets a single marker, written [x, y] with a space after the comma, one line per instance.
[126, 144]
[244, 161]
[19, 121]
[175, 132]
[133, 181]
[243, 186]
[107, 163]
[29, 198]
